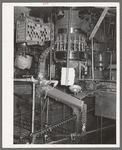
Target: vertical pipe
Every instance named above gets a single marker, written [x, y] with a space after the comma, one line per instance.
[79, 42]
[109, 26]
[75, 42]
[82, 44]
[79, 65]
[114, 37]
[47, 121]
[60, 42]
[92, 59]
[33, 108]
[51, 46]
[63, 117]
[57, 43]
[97, 129]
[65, 42]
[101, 130]
[69, 26]
[110, 64]
[41, 114]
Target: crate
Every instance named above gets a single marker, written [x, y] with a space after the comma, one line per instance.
[33, 33]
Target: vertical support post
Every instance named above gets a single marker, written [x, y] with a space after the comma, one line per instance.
[63, 117]
[50, 46]
[75, 42]
[47, 121]
[110, 64]
[92, 59]
[101, 130]
[110, 67]
[33, 108]
[109, 26]
[69, 26]
[114, 37]
[65, 41]
[79, 65]
[97, 129]
[79, 41]
[41, 114]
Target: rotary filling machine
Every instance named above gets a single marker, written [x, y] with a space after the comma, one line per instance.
[71, 57]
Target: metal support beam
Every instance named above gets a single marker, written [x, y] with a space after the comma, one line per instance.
[92, 59]
[51, 47]
[33, 108]
[69, 26]
[101, 131]
[47, 119]
[98, 23]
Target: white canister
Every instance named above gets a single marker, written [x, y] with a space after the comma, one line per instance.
[23, 62]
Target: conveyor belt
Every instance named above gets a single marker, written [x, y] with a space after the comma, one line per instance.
[66, 98]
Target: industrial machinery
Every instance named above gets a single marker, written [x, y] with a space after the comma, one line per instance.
[66, 59]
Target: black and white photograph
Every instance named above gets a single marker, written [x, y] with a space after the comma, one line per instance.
[62, 66]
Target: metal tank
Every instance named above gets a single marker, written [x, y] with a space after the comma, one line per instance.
[101, 60]
[77, 36]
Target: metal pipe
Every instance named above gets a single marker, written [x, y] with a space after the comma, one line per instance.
[60, 42]
[63, 116]
[53, 142]
[110, 65]
[50, 45]
[97, 129]
[69, 26]
[27, 80]
[100, 80]
[89, 132]
[41, 114]
[68, 136]
[65, 41]
[42, 109]
[75, 42]
[98, 23]
[109, 26]
[33, 108]
[92, 59]
[101, 130]
[47, 121]
[79, 41]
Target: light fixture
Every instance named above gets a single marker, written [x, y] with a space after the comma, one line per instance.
[75, 88]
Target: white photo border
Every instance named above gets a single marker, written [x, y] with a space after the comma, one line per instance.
[7, 73]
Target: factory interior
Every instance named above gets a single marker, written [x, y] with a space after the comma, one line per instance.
[64, 75]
